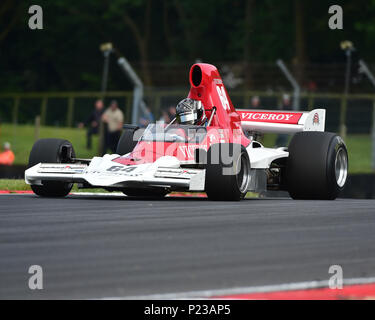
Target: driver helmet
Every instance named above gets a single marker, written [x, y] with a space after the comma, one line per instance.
[189, 111]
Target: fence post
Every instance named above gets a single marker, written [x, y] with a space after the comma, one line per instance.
[101, 138]
[69, 117]
[247, 99]
[128, 108]
[15, 110]
[344, 103]
[37, 128]
[293, 82]
[43, 111]
[373, 136]
[279, 102]
[157, 105]
[310, 103]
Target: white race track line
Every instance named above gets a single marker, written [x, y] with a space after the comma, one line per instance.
[109, 194]
[205, 294]
[114, 194]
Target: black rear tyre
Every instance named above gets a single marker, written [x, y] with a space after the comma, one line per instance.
[317, 166]
[51, 151]
[227, 172]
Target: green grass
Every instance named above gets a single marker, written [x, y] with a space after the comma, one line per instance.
[22, 138]
[13, 184]
[20, 185]
[359, 149]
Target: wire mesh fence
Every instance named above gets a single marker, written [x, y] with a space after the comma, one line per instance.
[68, 109]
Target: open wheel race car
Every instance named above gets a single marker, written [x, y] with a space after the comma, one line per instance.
[220, 156]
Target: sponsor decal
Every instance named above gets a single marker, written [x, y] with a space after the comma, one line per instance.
[316, 119]
[273, 117]
[188, 150]
[68, 169]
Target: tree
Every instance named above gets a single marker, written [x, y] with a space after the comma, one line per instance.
[300, 41]
[249, 7]
[142, 36]
[9, 16]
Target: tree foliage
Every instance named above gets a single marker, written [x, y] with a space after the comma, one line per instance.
[65, 54]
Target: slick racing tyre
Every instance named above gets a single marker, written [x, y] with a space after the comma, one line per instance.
[317, 166]
[126, 143]
[51, 151]
[227, 172]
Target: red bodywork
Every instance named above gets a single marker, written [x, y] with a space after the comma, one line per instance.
[206, 86]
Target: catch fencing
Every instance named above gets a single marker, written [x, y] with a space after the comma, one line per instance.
[348, 115]
[355, 113]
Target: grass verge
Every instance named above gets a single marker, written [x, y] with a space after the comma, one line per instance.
[22, 138]
[20, 185]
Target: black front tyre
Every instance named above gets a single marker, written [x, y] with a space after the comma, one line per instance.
[317, 166]
[51, 151]
[227, 172]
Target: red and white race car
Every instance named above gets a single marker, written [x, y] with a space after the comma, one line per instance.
[222, 157]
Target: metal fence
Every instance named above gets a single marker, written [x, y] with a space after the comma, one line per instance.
[353, 114]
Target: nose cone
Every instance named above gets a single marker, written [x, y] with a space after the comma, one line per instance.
[168, 162]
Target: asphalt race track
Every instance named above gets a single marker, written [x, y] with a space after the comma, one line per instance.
[100, 246]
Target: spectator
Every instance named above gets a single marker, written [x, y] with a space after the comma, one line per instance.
[282, 139]
[167, 114]
[286, 102]
[164, 117]
[93, 122]
[171, 113]
[255, 102]
[114, 118]
[146, 119]
[7, 156]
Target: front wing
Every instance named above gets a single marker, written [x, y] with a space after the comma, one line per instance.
[104, 173]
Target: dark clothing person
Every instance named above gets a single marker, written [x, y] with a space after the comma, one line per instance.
[92, 124]
[112, 139]
[146, 119]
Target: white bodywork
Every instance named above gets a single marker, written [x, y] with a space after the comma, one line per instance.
[169, 172]
[103, 172]
[165, 172]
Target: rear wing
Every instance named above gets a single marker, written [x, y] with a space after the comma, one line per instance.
[282, 121]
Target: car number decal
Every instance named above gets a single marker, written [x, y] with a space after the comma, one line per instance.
[121, 168]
